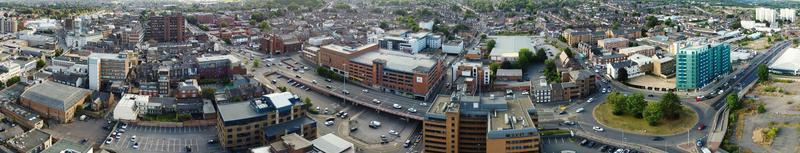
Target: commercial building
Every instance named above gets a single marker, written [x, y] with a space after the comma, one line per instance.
[9, 70]
[509, 74]
[385, 69]
[24, 116]
[310, 54]
[468, 124]
[274, 44]
[188, 89]
[765, 14]
[131, 35]
[106, 68]
[243, 125]
[788, 14]
[404, 40]
[787, 63]
[471, 77]
[129, 107]
[507, 47]
[699, 63]
[218, 66]
[453, 47]
[575, 84]
[331, 143]
[166, 28]
[663, 66]
[629, 33]
[612, 44]
[643, 49]
[54, 100]
[33, 141]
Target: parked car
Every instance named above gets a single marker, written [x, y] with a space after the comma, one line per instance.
[329, 123]
[392, 132]
[365, 90]
[569, 123]
[701, 127]
[598, 129]
[579, 110]
[412, 110]
[374, 124]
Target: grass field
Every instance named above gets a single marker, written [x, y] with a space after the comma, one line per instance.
[602, 114]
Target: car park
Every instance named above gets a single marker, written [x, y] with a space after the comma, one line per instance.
[374, 124]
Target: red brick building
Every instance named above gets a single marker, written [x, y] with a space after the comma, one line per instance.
[390, 71]
[166, 28]
[273, 44]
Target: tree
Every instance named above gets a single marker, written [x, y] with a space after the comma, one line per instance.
[761, 108]
[383, 25]
[490, 44]
[40, 64]
[264, 25]
[652, 113]
[256, 63]
[282, 89]
[733, 101]
[636, 104]
[763, 73]
[622, 75]
[618, 101]
[13, 80]
[671, 105]
[550, 71]
[208, 93]
[525, 57]
[59, 51]
[507, 65]
[540, 55]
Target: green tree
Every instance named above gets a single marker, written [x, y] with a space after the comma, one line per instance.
[636, 104]
[525, 57]
[652, 113]
[761, 108]
[618, 101]
[763, 73]
[282, 89]
[733, 101]
[264, 25]
[490, 44]
[493, 67]
[13, 80]
[550, 71]
[671, 105]
[569, 52]
[208, 93]
[40, 64]
[59, 51]
[507, 65]
[256, 63]
[540, 55]
[383, 25]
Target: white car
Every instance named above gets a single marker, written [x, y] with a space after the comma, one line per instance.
[412, 110]
[598, 129]
[579, 110]
[525, 93]
[423, 104]
[392, 132]
[590, 100]
[376, 101]
[124, 125]
[397, 106]
[328, 123]
[136, 145]
[133, 138]
[108, 140]
[365, 90]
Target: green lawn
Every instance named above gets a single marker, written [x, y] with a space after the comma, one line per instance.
[602, 114]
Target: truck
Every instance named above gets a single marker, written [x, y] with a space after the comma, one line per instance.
[705, 150]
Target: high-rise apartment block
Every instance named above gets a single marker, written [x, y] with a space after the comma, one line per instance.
[166, 28]
[8, 24]
[788, 14]
[766, 14]
[699, 63]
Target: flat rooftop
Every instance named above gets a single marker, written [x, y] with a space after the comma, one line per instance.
[787, 60]
[398, 61]
[510, 45]
[515, 117]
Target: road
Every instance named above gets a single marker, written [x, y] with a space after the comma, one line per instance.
[705, 109]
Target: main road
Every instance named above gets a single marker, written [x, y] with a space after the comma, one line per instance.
[705, 109]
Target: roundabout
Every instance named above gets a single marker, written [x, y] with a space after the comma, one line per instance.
[630, 124]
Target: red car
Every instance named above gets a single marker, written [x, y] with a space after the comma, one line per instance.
[701, 127]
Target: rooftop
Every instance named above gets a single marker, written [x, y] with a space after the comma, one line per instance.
[398, 61]
[635, 49]
[787, 60]
[332, 143]
[515, 117]
[55, 95]
[292, 125]
[346, 49]
[510, 45]
[256, 108]
[295, 141]
[29, 140]
[509, 72]
[211, 58]
[64, 145]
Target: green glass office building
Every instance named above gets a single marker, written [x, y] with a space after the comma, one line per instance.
[698, 65]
